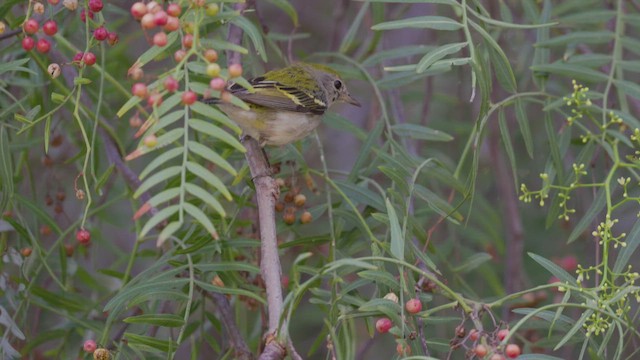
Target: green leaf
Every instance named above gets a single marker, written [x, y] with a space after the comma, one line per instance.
[166, 320]
[628, 88]
[155, 179]
[398, 52]
[579, 37]
[216, 132]
[203, 195]
[420, 132]
[168, 231]
[157, 218]
[633, 241]
[360, 194]
[169, 137]
[508, 146]
[348, 38]
[211, 112]
[209, 177]
[285, 6]
[525, 130]
[397, 238]
[473, 262]
[589, 17]
[202, 218]
[596, 207]
[145, 342]
[438, 53]
[161, 160]
[254, 34]
[572, 71]
[499, 60]
[7, 188]
[81, 81]
[164, 196]
[420, 22]
[438, 204]
[554, 269]
[211, 156]
[154, 51]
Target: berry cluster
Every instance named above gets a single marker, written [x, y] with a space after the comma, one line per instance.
[293, 201]
[166, 19]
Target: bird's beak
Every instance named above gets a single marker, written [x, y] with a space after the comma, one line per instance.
[350, 100]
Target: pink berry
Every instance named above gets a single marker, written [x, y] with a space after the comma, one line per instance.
[502, 334]
[139, 90]
[383, 325]
[512, 351]
[54, 2]
[480, 351]
[43, 46]
[170, 84]
[474, 334]
[187, 41]
[179, 55]
[160, 39]
[89, 58]
[78, 57]
[235, 70]
[100, 33]
[138, 10]
[148, 21]
[95, 5]
[217, 84]
[569, 263]
[160, 18]
[413, 306]
[189, 97]
[174, 9]
[112, 38]
[154, 99]
[89, 346]
[83, 236]
[173, 24]
[83, 15]
[31, 26]
[28, 43]
[50, 28]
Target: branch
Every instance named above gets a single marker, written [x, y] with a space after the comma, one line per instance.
[241, 350]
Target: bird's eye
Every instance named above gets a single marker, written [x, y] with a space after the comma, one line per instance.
[337, 84]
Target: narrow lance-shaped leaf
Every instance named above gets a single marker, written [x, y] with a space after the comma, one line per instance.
[397, 238]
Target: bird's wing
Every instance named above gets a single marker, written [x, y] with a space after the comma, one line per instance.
[275, 95]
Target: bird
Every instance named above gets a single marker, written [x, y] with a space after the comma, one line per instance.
[287, 104]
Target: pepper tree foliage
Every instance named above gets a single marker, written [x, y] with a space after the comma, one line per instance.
[462, 111]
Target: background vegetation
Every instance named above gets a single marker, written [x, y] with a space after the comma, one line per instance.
[492, 173]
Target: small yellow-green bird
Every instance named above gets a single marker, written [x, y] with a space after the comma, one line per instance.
[286, 104]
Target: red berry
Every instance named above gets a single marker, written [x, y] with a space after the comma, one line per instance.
[187, 41]
[383, 325]
[160, 39]
[26, 252]
[83, 15]
[211, 55]
[54, 2]
[28, 43]
[413, 306]
[83, 236]
[154, 99]
[138, 10]
[43, 46]
[502, 334]
[189, 97]
[512, 351]
[147, 21]
[174, 9]
[50, 28]
[100, 33]
[170, 84]
[78, 57]
[95, 5]
[235, 70]
[30, 26]
[179, 55]
[89, 58]
[90, 346]
[160, 18]
[139, 90]
[217, 84]
[480, 351]
[173, 24]
[112, 38]
[474, 335]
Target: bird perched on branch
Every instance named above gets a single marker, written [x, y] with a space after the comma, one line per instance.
[286, 104]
